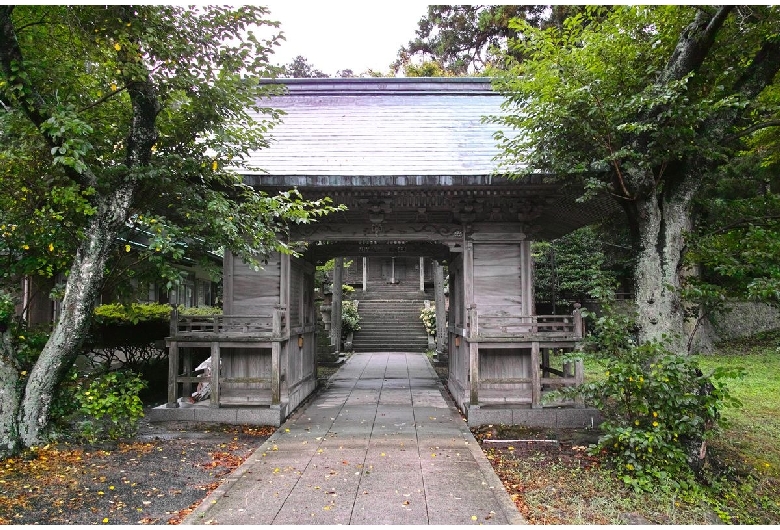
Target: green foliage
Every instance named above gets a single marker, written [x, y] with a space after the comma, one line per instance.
[428, 317]
[571, 268]
[739, 248]
[116, 314]
[300, 67]
[111, 403]
[7, 307]
[465, 39]
[350, 319]
[658, 406]
[203, 310]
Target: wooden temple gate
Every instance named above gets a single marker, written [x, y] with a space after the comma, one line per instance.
[413, 162]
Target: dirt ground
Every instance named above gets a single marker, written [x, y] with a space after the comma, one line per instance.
[157, 477]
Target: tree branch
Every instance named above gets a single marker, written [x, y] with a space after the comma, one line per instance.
[752, 129]
[28, 97]
[761, 71]
[694, 45]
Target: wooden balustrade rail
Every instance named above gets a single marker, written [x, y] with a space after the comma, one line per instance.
[226, 325]
[487, 326]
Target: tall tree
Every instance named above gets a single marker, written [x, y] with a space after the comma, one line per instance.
[465, 39]
[645, 104]
[301, 67]
[116, 117]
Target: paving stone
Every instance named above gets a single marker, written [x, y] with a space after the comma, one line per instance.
[379, 446]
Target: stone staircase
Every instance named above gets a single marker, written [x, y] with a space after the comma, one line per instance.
[390, 319]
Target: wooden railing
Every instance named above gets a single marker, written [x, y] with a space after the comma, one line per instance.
[482, 326]
[227, 325]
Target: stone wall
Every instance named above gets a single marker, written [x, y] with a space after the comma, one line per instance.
[744, 319]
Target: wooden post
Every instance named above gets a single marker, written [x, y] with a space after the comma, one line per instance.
[276, 323]
[186, 389]
[335, 322]
[526, 279]
[284, 279]
[536, 380]
[474, 373]
[441, 312]
[578, 324]
[173, 371]
[468, 273]
[473, 323]
[215, 362]
[174, 329]
[422, 273]
[276, 391]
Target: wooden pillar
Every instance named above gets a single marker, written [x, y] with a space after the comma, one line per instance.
[335, 324]
[536, 380]
[468, 274]
[365, 273]
[441, 311]
[526, 279]
[284, 283]
[215, 362]
[276, 389]
[422, 273]
[173, 371]
[186, 369]
[474, 373]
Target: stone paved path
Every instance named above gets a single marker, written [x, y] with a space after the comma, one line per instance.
[380, 445]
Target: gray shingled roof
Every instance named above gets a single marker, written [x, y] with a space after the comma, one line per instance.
[378, 126]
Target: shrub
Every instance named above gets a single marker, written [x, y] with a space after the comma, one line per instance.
[204, 310]
[7, 307]
[659, 408]
[350, 319]
[428, 317]
[131, 314]
[111, 403]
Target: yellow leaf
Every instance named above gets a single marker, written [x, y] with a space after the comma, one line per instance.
[113, 87]
[127, 248]
[117, 46]
[473, 517]
[214, 165]
[105, 519]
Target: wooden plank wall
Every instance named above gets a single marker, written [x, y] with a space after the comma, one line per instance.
[245, 362]
[497, 279]
[502, 280]
[247, 291]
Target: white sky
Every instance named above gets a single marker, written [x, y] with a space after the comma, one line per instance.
[340, 35]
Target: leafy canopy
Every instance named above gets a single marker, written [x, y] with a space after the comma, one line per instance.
[600, 97]
[69, 134]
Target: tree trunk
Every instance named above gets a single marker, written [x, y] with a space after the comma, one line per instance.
[662, 222]
[81, 291]
[10, 397]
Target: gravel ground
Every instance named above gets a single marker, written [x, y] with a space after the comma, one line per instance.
[157, 477]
